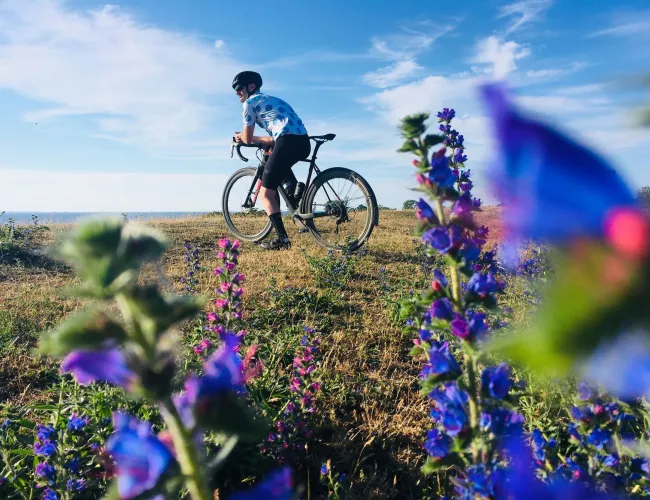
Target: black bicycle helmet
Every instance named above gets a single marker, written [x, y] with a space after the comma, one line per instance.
[246, 77]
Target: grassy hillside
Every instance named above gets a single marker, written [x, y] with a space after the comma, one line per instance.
[371, 418]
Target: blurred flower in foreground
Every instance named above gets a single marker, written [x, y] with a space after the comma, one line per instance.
[557, 191]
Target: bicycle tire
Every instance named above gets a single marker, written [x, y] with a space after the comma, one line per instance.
[243, 172]
[372, 209]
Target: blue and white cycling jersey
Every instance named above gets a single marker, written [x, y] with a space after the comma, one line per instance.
[273, 115]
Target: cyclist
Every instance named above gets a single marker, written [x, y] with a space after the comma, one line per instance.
[287, 136]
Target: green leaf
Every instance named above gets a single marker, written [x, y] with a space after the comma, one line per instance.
[90, 329]
[445, 463]
[432, 381]
[431, 140]
[94, 238]
[155, 313]
[594, 297]
[141, 244]
[413, 125]
[231, 415]
[408, 146]
[23, 452]
[28, 424]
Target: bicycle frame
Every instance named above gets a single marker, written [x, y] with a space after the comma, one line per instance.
[251, 197]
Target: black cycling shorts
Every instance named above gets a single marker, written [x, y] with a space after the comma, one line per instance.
[288, 150]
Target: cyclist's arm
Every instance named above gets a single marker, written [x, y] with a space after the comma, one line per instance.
[250, 138]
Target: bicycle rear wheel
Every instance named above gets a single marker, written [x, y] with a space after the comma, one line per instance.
[248, 223]
[351, 207]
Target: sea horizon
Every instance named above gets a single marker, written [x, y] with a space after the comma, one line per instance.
[25, 216]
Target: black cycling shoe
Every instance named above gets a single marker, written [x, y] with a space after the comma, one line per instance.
[276, 244]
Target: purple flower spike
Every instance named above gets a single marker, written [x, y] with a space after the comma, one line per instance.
[278, 486]
[440, 173]
[446, 115]
[140, 456]
[552, 188]
[98, 366]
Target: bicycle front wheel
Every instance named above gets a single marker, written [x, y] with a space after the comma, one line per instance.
[246, 221]
[350, 207]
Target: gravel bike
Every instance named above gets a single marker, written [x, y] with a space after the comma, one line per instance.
[338, 206]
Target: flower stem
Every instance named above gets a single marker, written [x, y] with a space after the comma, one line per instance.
[187, 453]
[470, 366]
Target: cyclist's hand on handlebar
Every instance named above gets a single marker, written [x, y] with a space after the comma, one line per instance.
[238, 137]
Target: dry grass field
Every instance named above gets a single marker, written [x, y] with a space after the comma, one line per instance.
[372, 417]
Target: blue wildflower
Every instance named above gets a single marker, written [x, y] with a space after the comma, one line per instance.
[424, 334]
[442, 309]
[141, 458]
[46, 471]
[438, 444]
[496, 380]
[438, 238]
[278, 486]
[45, 449]
[72, 465]
[599, 438]
[46, 433]
[76, 423]
[90, 366]
[449, 410]
[76, 485]
[440, 173]
[424, 211]
[483, 284]
[441, 362]
[439, 277]
[502, 422]
[585, 391]
[446, 115]
[552, 188]
[49, 494]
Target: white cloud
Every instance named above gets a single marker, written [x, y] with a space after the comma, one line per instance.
[549, 73]
[556, 103]
[219, 44]
[628, 25]
[143, 85]
[525, 11]
[501, 56]
[402, 49]
[393, 74]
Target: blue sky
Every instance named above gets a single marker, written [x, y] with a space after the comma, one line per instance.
[128, 106]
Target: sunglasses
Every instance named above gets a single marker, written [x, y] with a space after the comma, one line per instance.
[239, 88]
